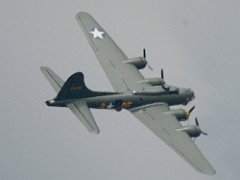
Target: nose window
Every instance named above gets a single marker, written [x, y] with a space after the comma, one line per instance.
[174, 91]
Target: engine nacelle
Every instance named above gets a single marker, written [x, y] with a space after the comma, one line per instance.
[138, 62]
[153, 81]
[180, 114]
[192, 130]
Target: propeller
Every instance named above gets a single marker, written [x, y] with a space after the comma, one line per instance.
[144, 56]
[196, 120]
[162, 74]
[165, 86]
[144, 53]
[190, 110]
[197, 123]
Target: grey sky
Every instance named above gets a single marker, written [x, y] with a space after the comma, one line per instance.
[196, 42]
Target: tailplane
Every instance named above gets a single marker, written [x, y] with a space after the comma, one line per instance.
[73, 88]
[55, 81]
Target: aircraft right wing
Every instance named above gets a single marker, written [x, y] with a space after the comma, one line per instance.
[165, 126]
[124, 77]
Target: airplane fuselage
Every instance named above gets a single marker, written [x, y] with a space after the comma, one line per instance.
[148, 99]
[120, 101]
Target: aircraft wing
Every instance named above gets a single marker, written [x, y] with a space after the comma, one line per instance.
[165, 126]
[123, 77]
[83, 113]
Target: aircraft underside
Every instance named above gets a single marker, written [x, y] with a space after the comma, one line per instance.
[148, 99]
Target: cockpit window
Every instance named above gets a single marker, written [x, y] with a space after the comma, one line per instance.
[173, 92]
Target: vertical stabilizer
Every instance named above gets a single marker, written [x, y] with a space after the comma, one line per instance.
[74, 88]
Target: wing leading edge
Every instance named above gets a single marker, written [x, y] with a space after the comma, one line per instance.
[164, 126]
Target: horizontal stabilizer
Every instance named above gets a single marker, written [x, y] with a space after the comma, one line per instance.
[55, 81]
[81, 110]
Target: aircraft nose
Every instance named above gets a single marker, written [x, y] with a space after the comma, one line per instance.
[191, 94]
[188, 95]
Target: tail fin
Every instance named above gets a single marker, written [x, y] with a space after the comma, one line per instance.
[74, 88]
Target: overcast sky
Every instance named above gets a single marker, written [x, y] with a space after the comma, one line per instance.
[197, 42]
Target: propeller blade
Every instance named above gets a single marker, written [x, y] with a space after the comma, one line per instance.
[144, 53]
[196, 120]
[149, 67]
[204, 133]
[144, 56]
[190, 110]
[162, 74]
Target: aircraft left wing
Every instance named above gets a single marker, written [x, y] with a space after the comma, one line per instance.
[123, 77]
[165, 126]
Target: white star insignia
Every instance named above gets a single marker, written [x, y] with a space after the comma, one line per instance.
[110, 106]
[97, 34]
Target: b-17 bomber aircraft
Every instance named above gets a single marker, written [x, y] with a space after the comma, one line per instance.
[148, 99]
